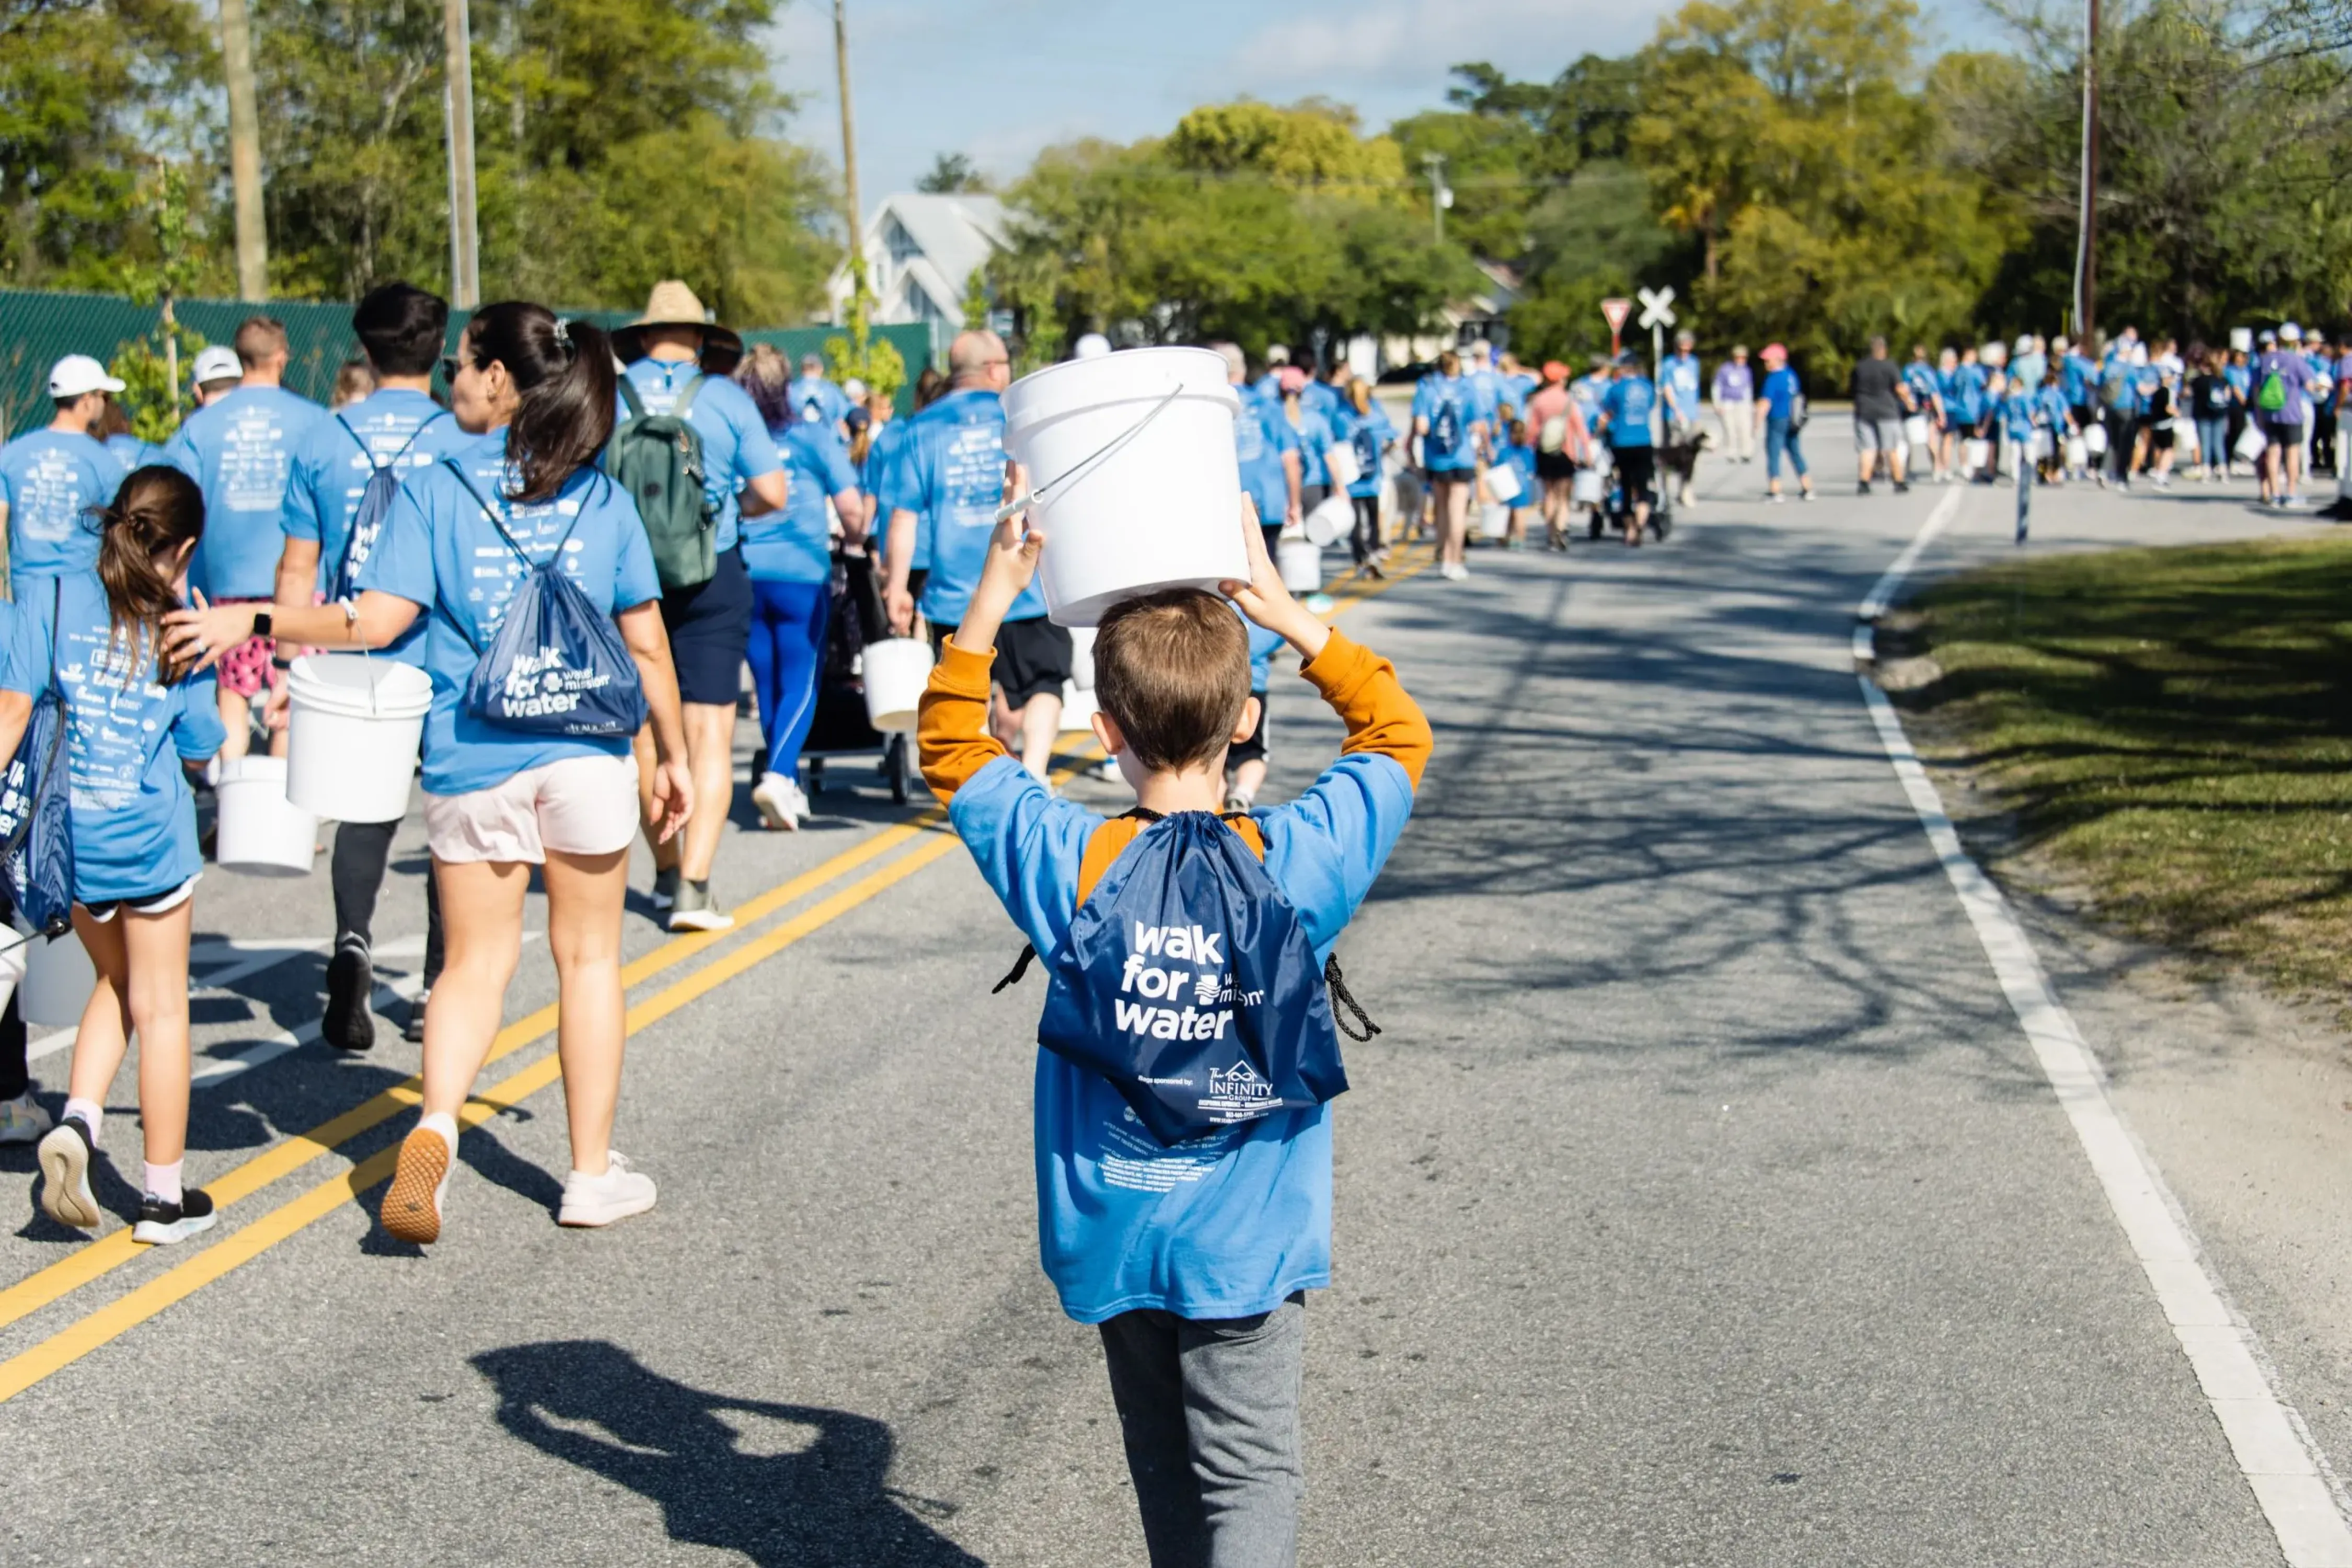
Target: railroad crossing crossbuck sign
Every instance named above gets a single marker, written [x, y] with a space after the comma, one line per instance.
[1654, 313]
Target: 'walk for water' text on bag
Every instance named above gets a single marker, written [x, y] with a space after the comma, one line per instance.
[557, 666]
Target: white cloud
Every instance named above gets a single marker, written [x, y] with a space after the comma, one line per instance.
[1390, 44]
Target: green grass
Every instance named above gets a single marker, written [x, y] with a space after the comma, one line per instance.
[2170, 729]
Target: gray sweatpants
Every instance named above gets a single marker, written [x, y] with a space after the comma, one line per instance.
[1209, 1408]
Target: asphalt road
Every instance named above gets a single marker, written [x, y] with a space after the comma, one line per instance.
[1701, 1203]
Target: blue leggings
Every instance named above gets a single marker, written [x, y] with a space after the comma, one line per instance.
[787, 653]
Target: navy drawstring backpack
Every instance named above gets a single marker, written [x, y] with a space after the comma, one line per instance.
[1187, 980]
[37, 859]
[557, 666]
[376, 501]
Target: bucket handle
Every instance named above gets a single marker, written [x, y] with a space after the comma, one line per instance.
[1101, 454]
[351, 616]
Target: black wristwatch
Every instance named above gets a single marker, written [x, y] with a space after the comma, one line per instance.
[262, 623]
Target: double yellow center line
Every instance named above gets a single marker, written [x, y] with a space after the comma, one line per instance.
[112, 1251]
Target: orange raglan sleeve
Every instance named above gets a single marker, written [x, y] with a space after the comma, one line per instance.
[952, 737]
[1362, 687]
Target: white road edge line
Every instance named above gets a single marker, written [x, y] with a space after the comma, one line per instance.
[2297, 1491]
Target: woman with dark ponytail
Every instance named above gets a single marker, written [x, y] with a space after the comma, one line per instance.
[134, 721]
[464, 537]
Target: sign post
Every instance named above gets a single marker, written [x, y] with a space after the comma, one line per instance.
[1615, 312]
[1657, 316]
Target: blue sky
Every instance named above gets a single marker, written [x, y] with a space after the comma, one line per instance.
[1000, 78]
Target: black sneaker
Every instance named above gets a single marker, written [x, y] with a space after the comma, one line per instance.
[1862, 489]
[165, 1225]
[350, 982]
[1903, 487]
[65, 1156]
[413, 1030]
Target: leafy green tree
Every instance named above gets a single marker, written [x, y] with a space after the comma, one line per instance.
[951, 173]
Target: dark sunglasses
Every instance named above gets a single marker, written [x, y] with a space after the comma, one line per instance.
[449, 369]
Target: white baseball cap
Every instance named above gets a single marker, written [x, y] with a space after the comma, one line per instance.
[77, 375]
[2290, 333]
[1091, 345]
[217, 363]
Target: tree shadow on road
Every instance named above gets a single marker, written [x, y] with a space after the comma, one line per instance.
[782, 1484]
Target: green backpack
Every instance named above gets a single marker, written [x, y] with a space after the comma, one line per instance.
[2272, 397]
[657, 459]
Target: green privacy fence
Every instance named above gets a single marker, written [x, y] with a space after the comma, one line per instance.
[37, 330]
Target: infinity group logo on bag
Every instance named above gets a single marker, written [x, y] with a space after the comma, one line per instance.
[538, 686]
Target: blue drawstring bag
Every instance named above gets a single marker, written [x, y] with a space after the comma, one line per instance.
[375, 504]
[557, 666]
[1187, 980]
[37, 859]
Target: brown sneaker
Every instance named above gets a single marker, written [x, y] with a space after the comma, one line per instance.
[412, 1208]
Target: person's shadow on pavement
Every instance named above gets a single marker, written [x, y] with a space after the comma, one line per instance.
[827, 1503]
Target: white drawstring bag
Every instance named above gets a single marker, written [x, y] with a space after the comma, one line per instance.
[2251, 442]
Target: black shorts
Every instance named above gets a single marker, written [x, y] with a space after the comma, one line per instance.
[1637, 467]
[710, 625]
[1033, 659]
[1311, 495]
[156, 903]
[1253, 749]
[2282, 432]
[1555, 466]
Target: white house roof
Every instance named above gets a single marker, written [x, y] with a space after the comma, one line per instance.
[950, 238]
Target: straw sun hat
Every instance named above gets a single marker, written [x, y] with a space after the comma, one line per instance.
[673, 304]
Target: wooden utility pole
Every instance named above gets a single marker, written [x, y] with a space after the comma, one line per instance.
[465, 241]
[849, 153]
[2087, 252]
[245, 151]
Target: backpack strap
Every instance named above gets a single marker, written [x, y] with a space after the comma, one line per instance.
[498, 522]
[629, 398]
[685, 404]
[350, 540]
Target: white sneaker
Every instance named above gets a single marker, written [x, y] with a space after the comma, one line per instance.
[782, 804]
[619, 1193]
[22, 1120]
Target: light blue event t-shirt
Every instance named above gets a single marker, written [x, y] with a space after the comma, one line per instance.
[396, 429]
[816, 401]
[795, 545]
[736, 445]
[953, 479]
[131, 452]
[1313, 430]
[1682, 386]
[241, 451]
[1628, 403]
[439, 550]
[1261, 436]
[134, 816]
[1446, 402]
[51, 480]
[885, 480]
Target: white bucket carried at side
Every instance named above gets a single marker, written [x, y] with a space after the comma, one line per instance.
[1339, 462]
[1914, 430]
[896, 671]
[1975, 455]
[1495, 521]
[2041, 445]
[262, 832]
[2094, 439]
[351, 750]
[1587, 488]
[1137, 486]
[1300, 562]
[2251, 442]
[1328, 522]
[59, 979]
[2078, 452]
[1503, 483]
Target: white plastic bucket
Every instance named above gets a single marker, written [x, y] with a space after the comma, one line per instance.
[1138, 490]
[1079, 706]
[2042, 439]
[1339, 462]
[1495, 521]
[1503, 483]
[2251, 441]
[59, 979]
[1914, 430]
[2078, 452]
[1975, 455]
[1082, 657]
[896, 671]
[1300, 561]
[262, 832]
[351, 750]
[1329, 521]
[1586, 488]
[2094, 440]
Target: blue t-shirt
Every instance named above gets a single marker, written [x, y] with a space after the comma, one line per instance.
[51, 480]
[1369, 434]
[1314, 434]
[1485, 389]
[1448, 403]
[1261, 436]
[1321, 397]
[134, 818]
[952, 477]
[1521, 461]
[1921, 378]
[2074, 374]
[241, 450]
[816, 400]
[1681, 389]
[331, 473]
[2050, 403]
[1627, 404]
[736, 445]
[2019, 413]
[795, 545]
[1964, 394]
[1263, 646]
[131, 452]
[885, 480]
[1781, 389]
[1588, 390]
[1516, 390]
[439, 551]
[2119, 386]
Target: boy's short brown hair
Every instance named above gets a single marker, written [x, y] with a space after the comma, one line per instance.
[1172, 669]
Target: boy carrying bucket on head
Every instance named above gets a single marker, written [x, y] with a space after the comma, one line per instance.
[1183, 1137]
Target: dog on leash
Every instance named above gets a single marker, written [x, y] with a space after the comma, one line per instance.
[1678, 459]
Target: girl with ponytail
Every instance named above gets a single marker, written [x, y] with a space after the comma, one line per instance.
[135, 722]
[464, 537]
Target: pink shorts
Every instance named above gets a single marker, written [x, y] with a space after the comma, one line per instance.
[245, 668]
[580, 805]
